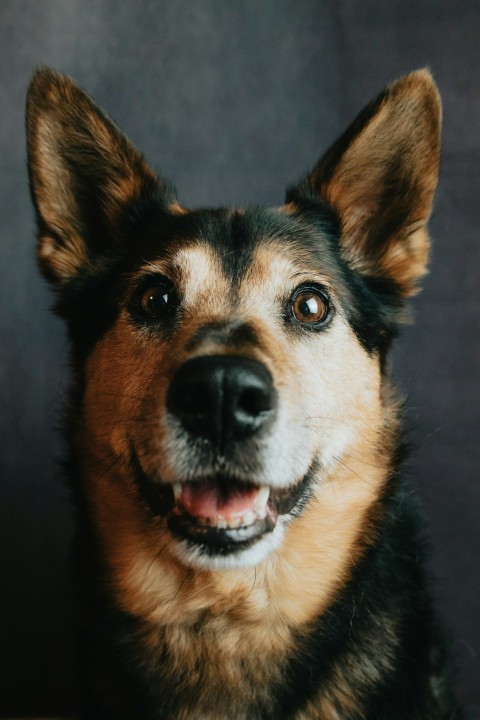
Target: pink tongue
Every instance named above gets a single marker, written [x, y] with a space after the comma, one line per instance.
[204, 499]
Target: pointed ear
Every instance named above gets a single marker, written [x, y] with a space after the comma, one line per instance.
[85, 177]
[380, 178]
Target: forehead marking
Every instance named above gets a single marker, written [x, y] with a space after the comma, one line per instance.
[194, 269]
[199, 269]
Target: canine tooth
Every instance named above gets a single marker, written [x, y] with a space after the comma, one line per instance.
[177, 491]
[221, 523]
[262, 499]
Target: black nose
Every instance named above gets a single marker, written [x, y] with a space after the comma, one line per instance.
[222, 397]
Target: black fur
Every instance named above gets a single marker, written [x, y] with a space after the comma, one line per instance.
[375, 653]
[388, 586]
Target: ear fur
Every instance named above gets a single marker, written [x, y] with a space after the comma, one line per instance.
[85, 175]
[380, 177]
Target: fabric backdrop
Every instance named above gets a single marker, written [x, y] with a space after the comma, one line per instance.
[233, 101]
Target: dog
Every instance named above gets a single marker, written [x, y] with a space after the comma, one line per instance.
[246, 547]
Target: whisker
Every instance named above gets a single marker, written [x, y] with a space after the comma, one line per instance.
[254, 582]
[351, 470]
[92, 464]
[364, 462]
[176, 594]
[156, 556]
[106, 472]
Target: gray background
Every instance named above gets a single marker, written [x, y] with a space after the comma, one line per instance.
[234, 100]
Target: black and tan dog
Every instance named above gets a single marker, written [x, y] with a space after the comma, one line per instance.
[246, 548]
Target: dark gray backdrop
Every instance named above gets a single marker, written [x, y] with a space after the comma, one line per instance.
[234, 100]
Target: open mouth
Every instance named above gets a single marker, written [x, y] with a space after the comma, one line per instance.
[221, 514]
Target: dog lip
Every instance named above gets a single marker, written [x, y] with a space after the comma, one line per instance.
[216, 537]
[215, 534]
[220, 540]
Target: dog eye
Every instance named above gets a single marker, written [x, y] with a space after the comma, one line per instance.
[309, 306]
[154, 301]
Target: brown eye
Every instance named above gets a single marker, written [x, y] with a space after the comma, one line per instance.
[309, 307]
[156, 301]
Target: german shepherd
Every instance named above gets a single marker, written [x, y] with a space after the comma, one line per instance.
[246, 547]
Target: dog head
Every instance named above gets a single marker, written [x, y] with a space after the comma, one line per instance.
[228, 361]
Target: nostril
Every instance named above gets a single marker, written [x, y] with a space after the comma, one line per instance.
[254, 401]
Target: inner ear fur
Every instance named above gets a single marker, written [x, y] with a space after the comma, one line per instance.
[380, 177]
[84, 176]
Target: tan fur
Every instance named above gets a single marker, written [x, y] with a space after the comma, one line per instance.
[228, 633]
[239, 609]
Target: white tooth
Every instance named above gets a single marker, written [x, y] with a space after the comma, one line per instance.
[262, 499]
[261, 514]
[177, 491]
[249, 518]
[221, 523]
[234, 522]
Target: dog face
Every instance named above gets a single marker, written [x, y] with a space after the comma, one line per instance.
[225, 388]
[229, 361]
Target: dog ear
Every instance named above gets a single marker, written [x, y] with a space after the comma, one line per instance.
[380, 177]
[85, 177]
